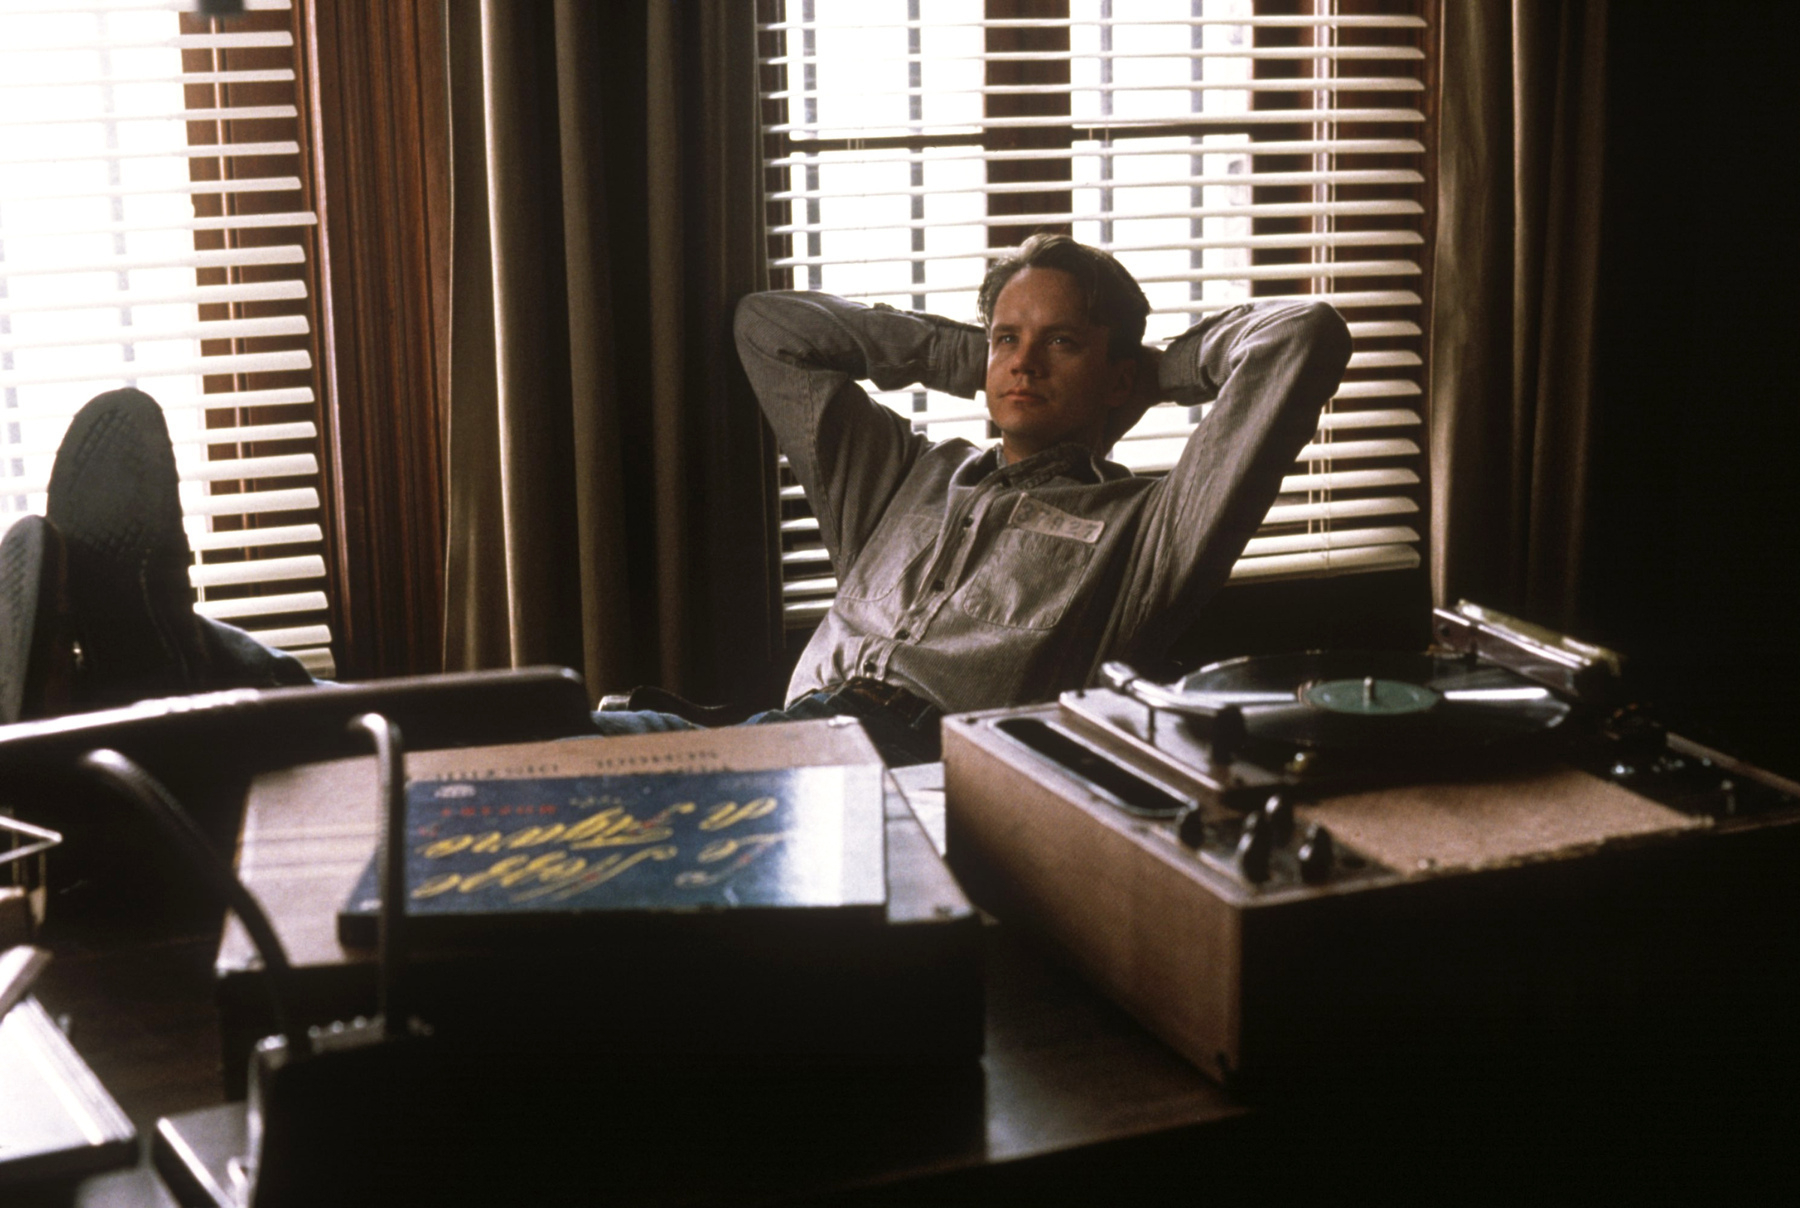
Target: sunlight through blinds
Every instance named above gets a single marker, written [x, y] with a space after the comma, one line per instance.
[154, 233]
[1225, 150]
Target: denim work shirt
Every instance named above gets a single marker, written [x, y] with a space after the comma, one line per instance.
[976, 585]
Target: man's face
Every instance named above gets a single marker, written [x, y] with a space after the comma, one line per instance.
[1048, 376]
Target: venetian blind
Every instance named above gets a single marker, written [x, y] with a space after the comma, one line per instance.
[153, 233]
[1224, 150]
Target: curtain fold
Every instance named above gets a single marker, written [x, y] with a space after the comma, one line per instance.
[603, 515]
[1517, 256]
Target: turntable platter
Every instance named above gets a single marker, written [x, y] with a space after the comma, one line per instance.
[1373, 702]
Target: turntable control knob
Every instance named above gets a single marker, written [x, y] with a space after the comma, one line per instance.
[1279, 817]
[1254, 846]
[1191, 829]
[1317, 855]
[1227, 735]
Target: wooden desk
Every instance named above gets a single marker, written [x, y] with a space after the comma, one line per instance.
[1067, 1079]
[1078, 1106]
[1072, 1103]
[1067, 1085]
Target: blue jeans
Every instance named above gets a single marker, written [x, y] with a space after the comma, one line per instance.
[899, 743]
[240, 661]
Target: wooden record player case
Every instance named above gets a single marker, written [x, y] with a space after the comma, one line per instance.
[1520, 920]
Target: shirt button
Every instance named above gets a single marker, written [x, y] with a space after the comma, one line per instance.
[869, 667]
[937, 585]
[902, 635]
[967, 521]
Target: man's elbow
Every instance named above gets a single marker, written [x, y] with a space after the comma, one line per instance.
[1320, 331]
[752, 314]
[766, 325]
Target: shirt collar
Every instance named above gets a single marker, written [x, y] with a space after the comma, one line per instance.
[1070, 460]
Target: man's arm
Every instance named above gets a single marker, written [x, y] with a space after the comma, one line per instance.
[804, 353]
[1269, 369]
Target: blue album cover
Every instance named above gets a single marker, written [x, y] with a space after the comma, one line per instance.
[786, 838]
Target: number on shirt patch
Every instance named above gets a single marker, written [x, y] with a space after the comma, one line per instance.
[1040, 517]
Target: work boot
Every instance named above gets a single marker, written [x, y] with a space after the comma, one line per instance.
[37, 656]
[114, 497]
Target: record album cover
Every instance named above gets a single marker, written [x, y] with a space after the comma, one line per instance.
[490, 853]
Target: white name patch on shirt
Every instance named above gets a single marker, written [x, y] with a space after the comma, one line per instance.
[1039, 517]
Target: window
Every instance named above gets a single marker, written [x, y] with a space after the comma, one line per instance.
[1224, 150]
[154, 232]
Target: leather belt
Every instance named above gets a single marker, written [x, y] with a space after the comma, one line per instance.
[893, 699]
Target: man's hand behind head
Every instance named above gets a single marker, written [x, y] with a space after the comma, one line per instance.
[1146, 392]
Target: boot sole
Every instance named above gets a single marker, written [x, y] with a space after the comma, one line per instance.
[114, 495]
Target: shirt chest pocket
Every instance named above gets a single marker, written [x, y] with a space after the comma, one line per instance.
[1026, 581]
[890, 558]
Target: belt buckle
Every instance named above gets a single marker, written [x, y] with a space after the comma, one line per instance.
[873, 691]
[905, 707]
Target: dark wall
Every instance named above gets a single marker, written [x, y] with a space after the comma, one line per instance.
[1694, 564]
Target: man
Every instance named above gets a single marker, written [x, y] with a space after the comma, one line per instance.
[971, 579]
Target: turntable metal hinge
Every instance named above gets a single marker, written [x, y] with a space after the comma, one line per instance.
[1555, 660]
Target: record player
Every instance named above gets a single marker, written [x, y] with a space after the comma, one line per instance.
[1303, 867]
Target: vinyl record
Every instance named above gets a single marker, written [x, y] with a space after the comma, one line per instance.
[1374, 705]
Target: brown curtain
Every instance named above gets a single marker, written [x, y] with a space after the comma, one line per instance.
[610, 497]
[1521, 124]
